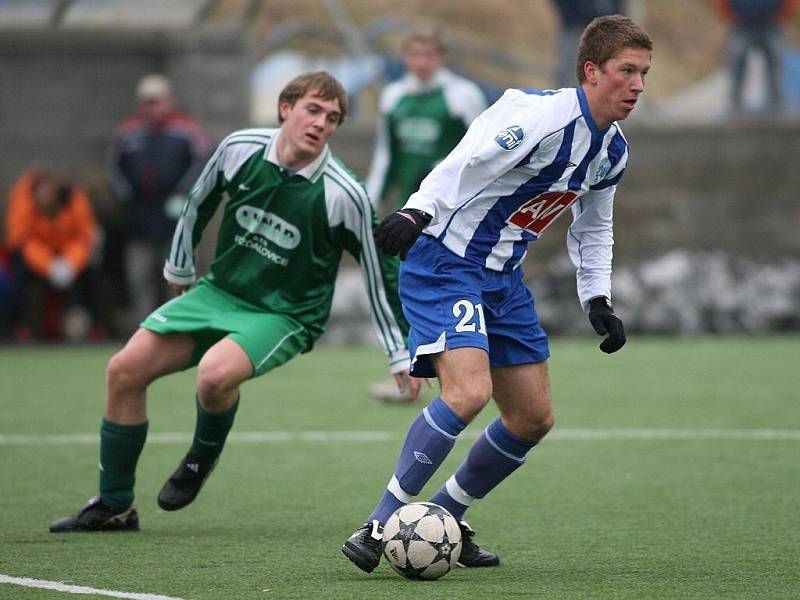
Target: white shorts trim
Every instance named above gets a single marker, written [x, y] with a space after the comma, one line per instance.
[440, 345]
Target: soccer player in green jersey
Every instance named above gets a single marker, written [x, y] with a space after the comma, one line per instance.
[421, 119]
[291, 209]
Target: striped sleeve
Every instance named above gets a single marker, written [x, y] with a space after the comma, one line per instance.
[204, 199]
[349, 206]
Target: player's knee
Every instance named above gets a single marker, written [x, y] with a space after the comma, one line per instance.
[214, 383]
[469, 397]
[122, 374]
[538, 424]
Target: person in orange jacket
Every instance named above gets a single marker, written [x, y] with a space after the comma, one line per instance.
[51, 234]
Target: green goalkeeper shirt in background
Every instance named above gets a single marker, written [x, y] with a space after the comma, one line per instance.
[282, 234]
[419, 124]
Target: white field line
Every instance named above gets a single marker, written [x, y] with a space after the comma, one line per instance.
[59, 586]
[268, 437]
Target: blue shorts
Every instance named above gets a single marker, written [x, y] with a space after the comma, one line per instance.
[452, 303]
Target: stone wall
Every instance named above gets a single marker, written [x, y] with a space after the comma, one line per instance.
[692, 198]
[62, 93]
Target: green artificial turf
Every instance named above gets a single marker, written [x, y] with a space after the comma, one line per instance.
[673, 472]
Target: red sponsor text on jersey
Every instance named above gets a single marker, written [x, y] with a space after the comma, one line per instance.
[537, 213]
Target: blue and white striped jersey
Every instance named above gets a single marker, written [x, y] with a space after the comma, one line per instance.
[521, 164]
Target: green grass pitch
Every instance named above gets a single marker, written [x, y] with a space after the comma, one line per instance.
[673, 472]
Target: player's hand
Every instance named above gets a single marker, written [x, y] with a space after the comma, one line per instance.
[178, 289]
[604, 321]
[398, 232]
[61, 273]
[406, 382]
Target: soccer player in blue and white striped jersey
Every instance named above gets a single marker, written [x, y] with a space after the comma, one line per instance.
[526, 160]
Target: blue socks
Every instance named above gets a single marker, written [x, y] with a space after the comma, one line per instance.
[494, 456]
[428, 442]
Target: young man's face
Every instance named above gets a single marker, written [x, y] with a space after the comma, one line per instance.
[618, 84]
[309, 124]
[422, 59]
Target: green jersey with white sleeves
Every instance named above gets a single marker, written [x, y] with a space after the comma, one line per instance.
[282, 234]
[418, 125]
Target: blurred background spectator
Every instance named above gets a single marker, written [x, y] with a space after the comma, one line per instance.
[574, 16]
[156, 156]
[421, 118]
[756, 25]
[52, 237]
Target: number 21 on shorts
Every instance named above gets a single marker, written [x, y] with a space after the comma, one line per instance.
[465, 311]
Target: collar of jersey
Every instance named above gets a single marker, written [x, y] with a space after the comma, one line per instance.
[311, 171]
[587, 114]
[437, 80]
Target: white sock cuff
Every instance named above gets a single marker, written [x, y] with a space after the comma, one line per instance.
[397, 491]
[457, 493]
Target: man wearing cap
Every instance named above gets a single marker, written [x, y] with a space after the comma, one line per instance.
[156, 155]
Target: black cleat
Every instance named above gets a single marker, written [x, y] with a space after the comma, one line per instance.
[96, 516]
[365, 546]
[184, 484]
[473, 555]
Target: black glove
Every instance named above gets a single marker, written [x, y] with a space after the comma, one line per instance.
[604, 321]
[397, 232]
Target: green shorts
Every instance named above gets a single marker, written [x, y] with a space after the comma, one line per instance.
[209, 314]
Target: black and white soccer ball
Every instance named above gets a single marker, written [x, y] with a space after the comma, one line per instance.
[422, 540]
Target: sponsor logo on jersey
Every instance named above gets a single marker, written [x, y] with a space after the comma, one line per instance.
[269, 226]
[510, 138]
[602, 171]
[538, 213]
[261, 248]
[418, 134]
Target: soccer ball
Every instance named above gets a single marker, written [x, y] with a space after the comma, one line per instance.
[422, 540]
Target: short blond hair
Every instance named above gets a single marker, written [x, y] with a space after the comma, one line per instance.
[426, 34]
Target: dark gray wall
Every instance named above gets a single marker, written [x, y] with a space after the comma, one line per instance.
[62, 93]
[731, 186]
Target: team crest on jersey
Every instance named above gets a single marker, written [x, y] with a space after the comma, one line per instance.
[510, 138]
[602, 171]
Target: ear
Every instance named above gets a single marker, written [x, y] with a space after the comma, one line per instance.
[591, 70]
[283, 109]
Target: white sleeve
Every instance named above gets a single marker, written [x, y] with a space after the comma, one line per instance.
[480, 157]
[590, 240]
[351, 208]
[376, 178]
[466, 100]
